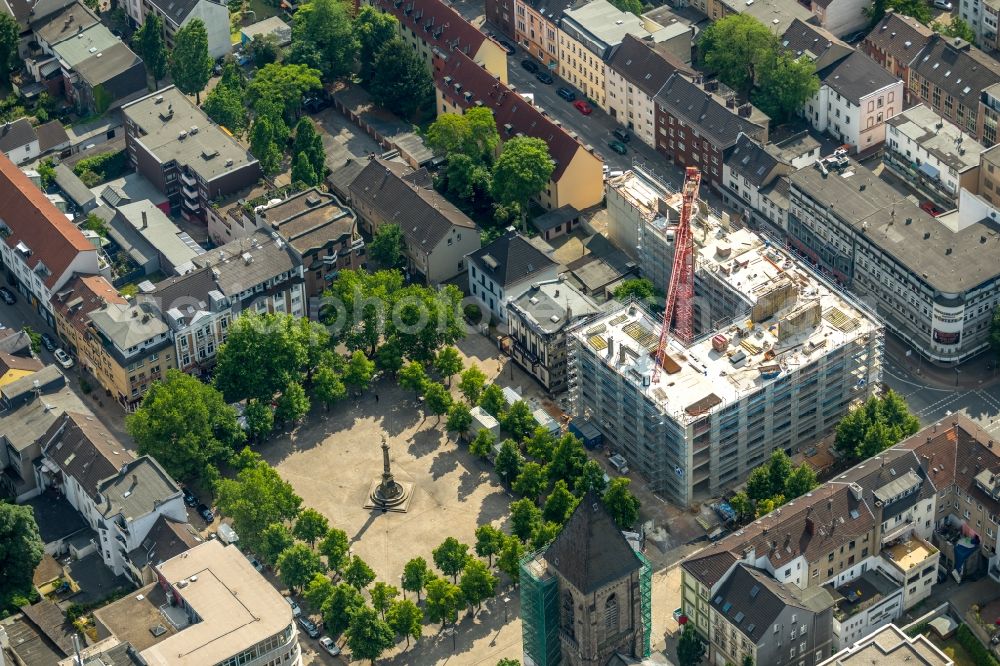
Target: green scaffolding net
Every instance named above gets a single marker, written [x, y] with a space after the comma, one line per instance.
[646, 593]
[539, 612]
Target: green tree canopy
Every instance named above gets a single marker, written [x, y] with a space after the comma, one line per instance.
[472, 134]
[448, 362]
[273, 541]
[317, 591]
[297, 565]
[263, 50]
[524, 517]
[186, 425]
[285, 85]
[323, 37]
[519, 421]
[335, 547]
[259, 416]
[401, 81]
[472, 381]
[413, 377]
[21, 550]
[311, 526]
[489, 541]
[801, 480]
[881, 422]
[509, 560]
[621, 503]
[521, 172]
[359, 371]
[477, 583]
[559, 504]
[459, 418]
[383, 595]
[10, 36]
[357, 573]
[491, 399]
[451, 556]
[303, 172]
[532, 481]
[640, 288]
[388, 245]
[568, 459]
[443, 601]
[190, 64]
[309, 141]
[340, 607]
[541, 444]
[743, 507]
[509, 461]
[328, 385]
[149, 44]
[293, 403]
[690, 647]
[591, 479]
[786, 84]
[374, 29]
[544, 533]
[955, 28]
[437, 399]
[416, 574]
[406, 619]
[256, 498]
[482, 443]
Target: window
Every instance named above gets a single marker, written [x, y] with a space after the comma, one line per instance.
[611, 614]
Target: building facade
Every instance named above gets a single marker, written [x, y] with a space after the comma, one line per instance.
[894, 44]
[176, 15]
[502, 270]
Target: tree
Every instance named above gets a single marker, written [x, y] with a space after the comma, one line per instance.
[690, 647]
[297, 566]
[357, 573]
[256, 498]
[559, 504]
[524, 517]
[472, 380]
[521, 172]
[10, 36]
[303, 172]
[373, 29]
[387, 245]
[482, 443]
[293, 404]
[736, 47]
[532, 481]
[544, 533]
[318, 590]
[263, 50]
[489, 541]
[466, 178]
[327, 386]
[405, 618]
[311, 526]
[190, 64]
[786, 84]
[800, 481]
[509, 560]
[309, 141]
[519, 421]
[416, 574]
[639, 288]
[759, 484]
[477, 583]
[506, 661]
[779, 468]
[876, 425]
[149, 44]
[915, 8]
[448, 362]
[621, 503]
[186, 425]
[459, 418]
[383, 595]
[472, 134]
[541, 444]
[437, 399]
[568, 459]
[443, 601]
[451, 556]
[359, 371]
[401, 81]
[335, 547]
[743, 507]
[509, 460]
[592, 479]
[340, 607]
[21, 550]
[492, 400]
[284, 85]
[323, 37]
[259, 416]
[389, 357]
[264, 145]
[769, 504]
[412, 377]
[633, 6]
[273, 541]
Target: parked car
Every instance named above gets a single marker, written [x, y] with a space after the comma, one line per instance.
[507, 46]
[255, 563]
[48, 342]
[529, 65]
[930, 208]
[206, 513]
[331, 648]
[583, 107]
[63, 359]
[544, 77]
[296, 611]
[619, 463]
[566, 94]
[618, 147]
[622, 134]
[308, 626]
[190, 498]
[8, 296]
[316, 102]
[942, 4]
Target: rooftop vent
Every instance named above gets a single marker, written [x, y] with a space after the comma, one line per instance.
[247, 258]
[158, 100]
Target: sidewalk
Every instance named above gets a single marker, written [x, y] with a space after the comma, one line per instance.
[971, 374]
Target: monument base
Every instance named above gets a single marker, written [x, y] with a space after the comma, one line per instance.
[398, 504]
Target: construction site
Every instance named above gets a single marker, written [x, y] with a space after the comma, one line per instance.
[759, 354]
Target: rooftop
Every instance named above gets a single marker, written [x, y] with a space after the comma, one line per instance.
[553, 304]
[890, 646]
[243, 264]
[152, 224]
[107, 64]
[72, 186]
[910, 553]
[85, 44]
[599, 25]
[65, 23]
[856, 76]
[862, 593]
[178, 10]
[958, 68]
[272, 25]
[173, 128]
[236, 605]
[82, 448]
[940, 138]
[446, 28]
[310, 220]
[510, 259]
[643, 66]
[137, 618]
[56, 517]
[137, 489]
[708, 113]
[16, 134]
[950, 261]
[29, 644]
[793, 317]
[899, 36]
[812, 41]
[777, 15]
[127, 326]
[23, 426]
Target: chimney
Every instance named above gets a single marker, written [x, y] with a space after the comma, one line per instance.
[810, 526]
[731, 102]
[746, 110]
[145, 222]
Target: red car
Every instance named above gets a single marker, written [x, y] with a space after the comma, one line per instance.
[929, 207]
[583, 107]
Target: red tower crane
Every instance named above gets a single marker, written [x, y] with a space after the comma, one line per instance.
[680, 292]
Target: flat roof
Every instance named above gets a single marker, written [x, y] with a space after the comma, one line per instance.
[150, 222]
[95, 39]
[948, 260]
[605, 23]
[137, 618]
[910, 553]
[237, 607]
[804, 321]
[937, 136]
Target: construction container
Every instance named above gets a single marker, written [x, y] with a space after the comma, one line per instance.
[720, 343]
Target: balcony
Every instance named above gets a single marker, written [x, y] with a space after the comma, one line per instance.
[188, 180]
[920, 179]
[909, 554]
[898, 531]
[192, 206]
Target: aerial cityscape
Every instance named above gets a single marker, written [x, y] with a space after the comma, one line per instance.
[499, 332]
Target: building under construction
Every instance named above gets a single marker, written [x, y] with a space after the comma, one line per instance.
[777, 358]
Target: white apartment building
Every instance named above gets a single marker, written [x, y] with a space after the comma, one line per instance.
[501, 271]
[983, 17]
[176, 15]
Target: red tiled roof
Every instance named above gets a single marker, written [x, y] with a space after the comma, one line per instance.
[35, 221]
[457, 76]
[82, 295]
[435, 23]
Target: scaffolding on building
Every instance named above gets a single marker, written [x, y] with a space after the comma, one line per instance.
[539, 612]
[646, 599]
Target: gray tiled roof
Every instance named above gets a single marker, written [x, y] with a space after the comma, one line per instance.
[85, 450]
[65, 23]
[234, 274]
[424, 216]
[960, 70]
[51, 135]
[590, 551]
[23, 426]
[643, 66]
[855, 76]
[820, 46]
[16, 134]
[137, 489]
[176, 10]
[127, 326]
[686, 100]
[72, 186]
[555, 298]
[104, 66]
[901, 37]
[515, 259]
[750, 160]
